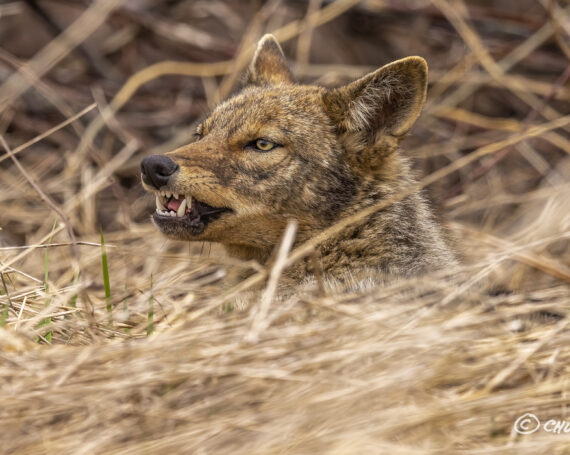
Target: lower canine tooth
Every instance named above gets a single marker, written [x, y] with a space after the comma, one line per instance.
[182, 209]
[159, 205]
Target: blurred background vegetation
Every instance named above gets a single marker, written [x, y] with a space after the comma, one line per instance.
[492, 64]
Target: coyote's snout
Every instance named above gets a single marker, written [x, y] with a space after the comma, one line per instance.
[177, 210]
[279, 150]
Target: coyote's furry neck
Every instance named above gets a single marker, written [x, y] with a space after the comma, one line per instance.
[279, 151]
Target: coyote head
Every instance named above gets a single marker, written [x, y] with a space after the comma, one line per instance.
[278, 150]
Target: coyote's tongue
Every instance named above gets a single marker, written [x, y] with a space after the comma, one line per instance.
[173, 204]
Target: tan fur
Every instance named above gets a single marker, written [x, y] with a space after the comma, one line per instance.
[337, 154]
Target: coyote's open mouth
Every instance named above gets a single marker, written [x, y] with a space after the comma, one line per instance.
[185, 210]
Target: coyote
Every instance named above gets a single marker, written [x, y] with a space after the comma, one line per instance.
[278, 150]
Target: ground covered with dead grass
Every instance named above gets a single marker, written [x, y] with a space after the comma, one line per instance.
[139, 347]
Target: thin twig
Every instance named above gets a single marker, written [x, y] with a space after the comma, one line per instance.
[49, 245]
[49, 132]
[533, 114]
[57, 49]
[45, 197]
[260, 322]
[6, 290]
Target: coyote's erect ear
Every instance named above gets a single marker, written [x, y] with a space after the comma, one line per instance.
[387, 101]
[268, 66]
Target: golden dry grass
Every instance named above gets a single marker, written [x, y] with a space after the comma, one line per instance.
[438, 365]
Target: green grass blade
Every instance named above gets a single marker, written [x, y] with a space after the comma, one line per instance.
[47, 321]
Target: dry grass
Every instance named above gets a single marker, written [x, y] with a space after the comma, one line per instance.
[183, 363]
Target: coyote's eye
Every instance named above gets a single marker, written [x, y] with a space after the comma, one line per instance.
[262, 145]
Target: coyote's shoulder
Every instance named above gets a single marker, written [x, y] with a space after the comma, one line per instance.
[278, 151]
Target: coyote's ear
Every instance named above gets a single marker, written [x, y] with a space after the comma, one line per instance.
[268, 66]
[387, 101]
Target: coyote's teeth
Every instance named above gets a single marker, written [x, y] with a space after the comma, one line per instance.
[188, 202]
[175, 195]
[182, 208]
[172, 213]
[159, 204]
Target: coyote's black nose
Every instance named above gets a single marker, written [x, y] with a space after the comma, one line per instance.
[157, 169]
